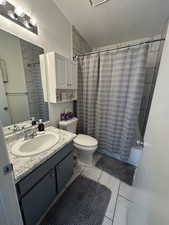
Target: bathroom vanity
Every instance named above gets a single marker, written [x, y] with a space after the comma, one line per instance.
[42, 162]
[39, 178]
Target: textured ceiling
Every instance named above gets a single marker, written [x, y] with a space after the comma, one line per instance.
[116, 20]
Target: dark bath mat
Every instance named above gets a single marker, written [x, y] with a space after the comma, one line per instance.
[83, 203]
[117, 168]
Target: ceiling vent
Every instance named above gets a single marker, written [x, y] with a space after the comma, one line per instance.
[95, 3]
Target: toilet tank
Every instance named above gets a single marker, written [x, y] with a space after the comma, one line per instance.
[69, 125]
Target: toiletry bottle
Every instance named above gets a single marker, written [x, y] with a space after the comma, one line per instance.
[33, 121]
[41, 126]
[62, 116]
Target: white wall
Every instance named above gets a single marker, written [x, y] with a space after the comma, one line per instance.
[55, 32]
[151, 192]
[54, 28]
[121, 44]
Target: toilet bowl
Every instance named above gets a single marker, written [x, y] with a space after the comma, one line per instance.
[85, 147]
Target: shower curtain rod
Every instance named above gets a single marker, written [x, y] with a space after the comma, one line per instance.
[127, 46]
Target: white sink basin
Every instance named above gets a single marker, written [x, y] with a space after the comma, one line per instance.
[40, 143]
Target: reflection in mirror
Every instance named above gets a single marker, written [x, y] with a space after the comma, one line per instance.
[21, 94]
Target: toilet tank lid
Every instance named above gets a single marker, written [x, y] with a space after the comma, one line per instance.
[85, 140]
[67, 122]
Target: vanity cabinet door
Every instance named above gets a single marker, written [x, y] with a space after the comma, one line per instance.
[64, 171]
[38, 199]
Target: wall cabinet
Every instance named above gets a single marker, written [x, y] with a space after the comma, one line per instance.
[59, 75]
[71, 74]
[38, 189]
[60, 72]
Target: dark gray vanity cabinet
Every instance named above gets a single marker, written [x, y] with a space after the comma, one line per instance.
[39, 188]
[64, 171]
[38, 199]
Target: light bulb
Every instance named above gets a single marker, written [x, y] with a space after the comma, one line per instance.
[12, 15]
[26, 23]
[2, 2]
[19, 12]
[33, 22]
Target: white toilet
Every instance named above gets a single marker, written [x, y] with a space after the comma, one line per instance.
[85, 145]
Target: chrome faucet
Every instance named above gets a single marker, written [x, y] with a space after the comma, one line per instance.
[16, 128]
[29, 134]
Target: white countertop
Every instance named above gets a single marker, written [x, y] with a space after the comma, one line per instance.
[24, 165]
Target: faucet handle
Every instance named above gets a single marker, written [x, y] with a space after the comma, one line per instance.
[27, 133]
[30, 133]
[34, 132]
[16, 128]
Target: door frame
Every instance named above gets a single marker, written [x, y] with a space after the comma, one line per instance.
[6, 117]
[10, 213]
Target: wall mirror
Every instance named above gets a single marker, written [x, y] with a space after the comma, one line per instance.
[21, 94]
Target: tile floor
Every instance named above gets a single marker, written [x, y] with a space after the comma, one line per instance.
[116, 213]
[123, 171]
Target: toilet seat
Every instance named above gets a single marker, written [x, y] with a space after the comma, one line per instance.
[85, 142]
[80, 147]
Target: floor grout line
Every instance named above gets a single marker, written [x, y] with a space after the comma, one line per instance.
[108, 218]
[98, 179]
[80, 171]
[116, 203]
[125, 198]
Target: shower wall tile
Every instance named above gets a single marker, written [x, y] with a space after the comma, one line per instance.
[38, 108]
[80, 45]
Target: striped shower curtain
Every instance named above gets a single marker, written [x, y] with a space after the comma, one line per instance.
[88, 74]
[109, 98]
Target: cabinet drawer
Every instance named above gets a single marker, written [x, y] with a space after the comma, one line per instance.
[35, 203]
[31, 179]
[64, 171]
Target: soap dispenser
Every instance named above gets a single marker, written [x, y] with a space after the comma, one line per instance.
[33, 121]
[41, 126]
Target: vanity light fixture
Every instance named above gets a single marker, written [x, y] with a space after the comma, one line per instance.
[12, 15]
[33, 22]
[27, 24]
[17, 15]
[19, 12]
[2, 2]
